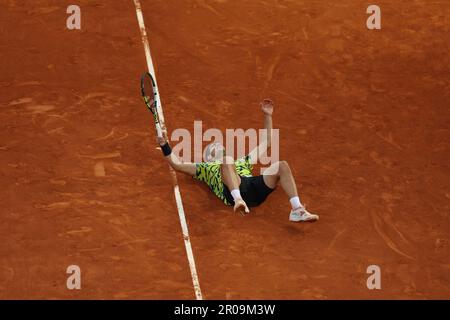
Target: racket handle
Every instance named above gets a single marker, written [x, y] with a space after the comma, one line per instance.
[159, 131]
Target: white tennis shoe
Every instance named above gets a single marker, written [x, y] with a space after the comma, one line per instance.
[301, 215]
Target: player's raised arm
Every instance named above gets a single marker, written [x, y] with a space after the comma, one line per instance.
[175, 162]
[261, 149]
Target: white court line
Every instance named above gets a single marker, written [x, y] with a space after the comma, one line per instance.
[176, 189]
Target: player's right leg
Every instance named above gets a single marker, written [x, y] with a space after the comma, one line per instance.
[281, 173]
[232, 180]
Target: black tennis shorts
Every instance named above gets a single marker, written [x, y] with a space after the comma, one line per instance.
[253, 190]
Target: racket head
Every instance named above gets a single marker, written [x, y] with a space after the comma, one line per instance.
[148, 91]
[149, 94]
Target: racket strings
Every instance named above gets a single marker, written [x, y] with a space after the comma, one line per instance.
[150, 101]
[148, 91]
[149, 94]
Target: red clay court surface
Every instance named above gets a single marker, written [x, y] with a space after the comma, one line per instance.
[364, 123]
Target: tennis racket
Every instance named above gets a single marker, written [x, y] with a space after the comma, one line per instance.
[149, 94]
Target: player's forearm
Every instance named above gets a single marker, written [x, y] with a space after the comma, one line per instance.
[167, 152]
[173, 160]
[181, 166]
[268, 127]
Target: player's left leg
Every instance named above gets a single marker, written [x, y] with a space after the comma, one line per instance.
[281, 173]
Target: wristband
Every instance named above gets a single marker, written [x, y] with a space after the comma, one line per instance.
[166, 150]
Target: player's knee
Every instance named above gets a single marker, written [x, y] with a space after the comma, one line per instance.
[228, 161]
[284, 165]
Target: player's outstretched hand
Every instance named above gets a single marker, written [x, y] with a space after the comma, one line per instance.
[241, 207]
[267, 107]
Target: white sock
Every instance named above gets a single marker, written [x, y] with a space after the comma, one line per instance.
[236, 194]
[295, 202]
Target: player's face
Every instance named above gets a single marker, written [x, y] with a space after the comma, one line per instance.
[215, 152]
[219, 151]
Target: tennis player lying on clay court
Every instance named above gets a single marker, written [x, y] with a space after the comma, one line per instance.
[233, 182]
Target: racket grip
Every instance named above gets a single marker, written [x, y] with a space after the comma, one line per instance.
[158, 130]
